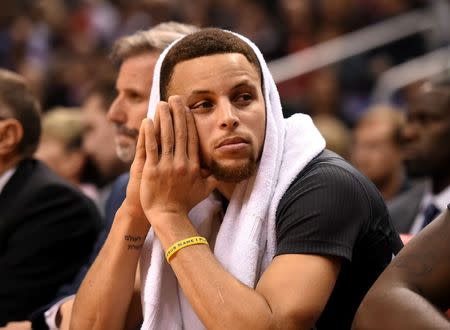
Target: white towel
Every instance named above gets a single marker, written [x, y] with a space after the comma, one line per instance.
[246, 242]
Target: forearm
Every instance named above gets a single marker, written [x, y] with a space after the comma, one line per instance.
[218, 298]
[104, 296]
[398, 308]
[407, 293]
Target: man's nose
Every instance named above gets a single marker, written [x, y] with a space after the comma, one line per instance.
[410, 131]
[116, 113]
[228, 115]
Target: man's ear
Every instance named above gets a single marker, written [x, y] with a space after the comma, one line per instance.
[11, 134]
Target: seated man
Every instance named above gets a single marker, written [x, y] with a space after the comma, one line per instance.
[135, 53]
[253, 224]
[60, 146]
[47, 227]
[104, 165]
[426, 156]
[377, 150]
[414, 291]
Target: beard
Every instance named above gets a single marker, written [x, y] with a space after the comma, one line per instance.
[126, 152]
[233, 173]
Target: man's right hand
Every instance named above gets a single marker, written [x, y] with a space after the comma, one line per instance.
[132, 205]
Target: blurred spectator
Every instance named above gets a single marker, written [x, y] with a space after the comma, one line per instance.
[255, 22]
[377, 150]
[337, 17]
[324, 94]
[337, 135]
[98, 140]
[195, 12]
[60, 45]
[47, 227]
[60, 146]
[427, 154]
[298, 19]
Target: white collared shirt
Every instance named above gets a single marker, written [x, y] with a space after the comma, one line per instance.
[440, 200]
[4, 178]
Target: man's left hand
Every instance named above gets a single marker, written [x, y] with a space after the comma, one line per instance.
[172, 180]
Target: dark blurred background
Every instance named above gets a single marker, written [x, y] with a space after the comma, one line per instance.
[329, 57]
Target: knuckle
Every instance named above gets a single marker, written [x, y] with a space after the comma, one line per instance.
[162, 105]
[180, 169]
[194, 168]
[151, 173]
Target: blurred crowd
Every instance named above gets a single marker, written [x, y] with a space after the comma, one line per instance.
[62, 48]
[59, 45]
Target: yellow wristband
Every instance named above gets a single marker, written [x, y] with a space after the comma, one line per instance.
[184, 243]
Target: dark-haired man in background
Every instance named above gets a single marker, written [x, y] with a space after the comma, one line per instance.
[47, 227]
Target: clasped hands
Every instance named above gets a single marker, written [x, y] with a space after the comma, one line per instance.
[166, 176]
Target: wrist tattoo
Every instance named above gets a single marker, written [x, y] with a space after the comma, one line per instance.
[134, 242]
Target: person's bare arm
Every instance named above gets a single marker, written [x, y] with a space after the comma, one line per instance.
[106, 293]
[414, 291]
[291, 294]
[294, 289]
[65, 314]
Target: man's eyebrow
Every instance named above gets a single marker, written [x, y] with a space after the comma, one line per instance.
[133, 90]
[200, 91]
[244, 83]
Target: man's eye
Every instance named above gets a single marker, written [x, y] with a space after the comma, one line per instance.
[422, 119]
[135, 97]
[244, 98]
[202, 105]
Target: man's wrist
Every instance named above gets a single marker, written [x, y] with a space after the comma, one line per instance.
[171, 227]
[137, 219]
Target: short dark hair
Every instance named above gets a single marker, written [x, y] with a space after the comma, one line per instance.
[209, 41]
[21, 104]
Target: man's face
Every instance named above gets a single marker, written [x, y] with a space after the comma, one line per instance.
[133, 86]
[66, 162]
[427, 133]
[99, 133]
[224, 93]
[375, 152]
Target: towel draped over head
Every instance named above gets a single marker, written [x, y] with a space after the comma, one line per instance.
[245, 239]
